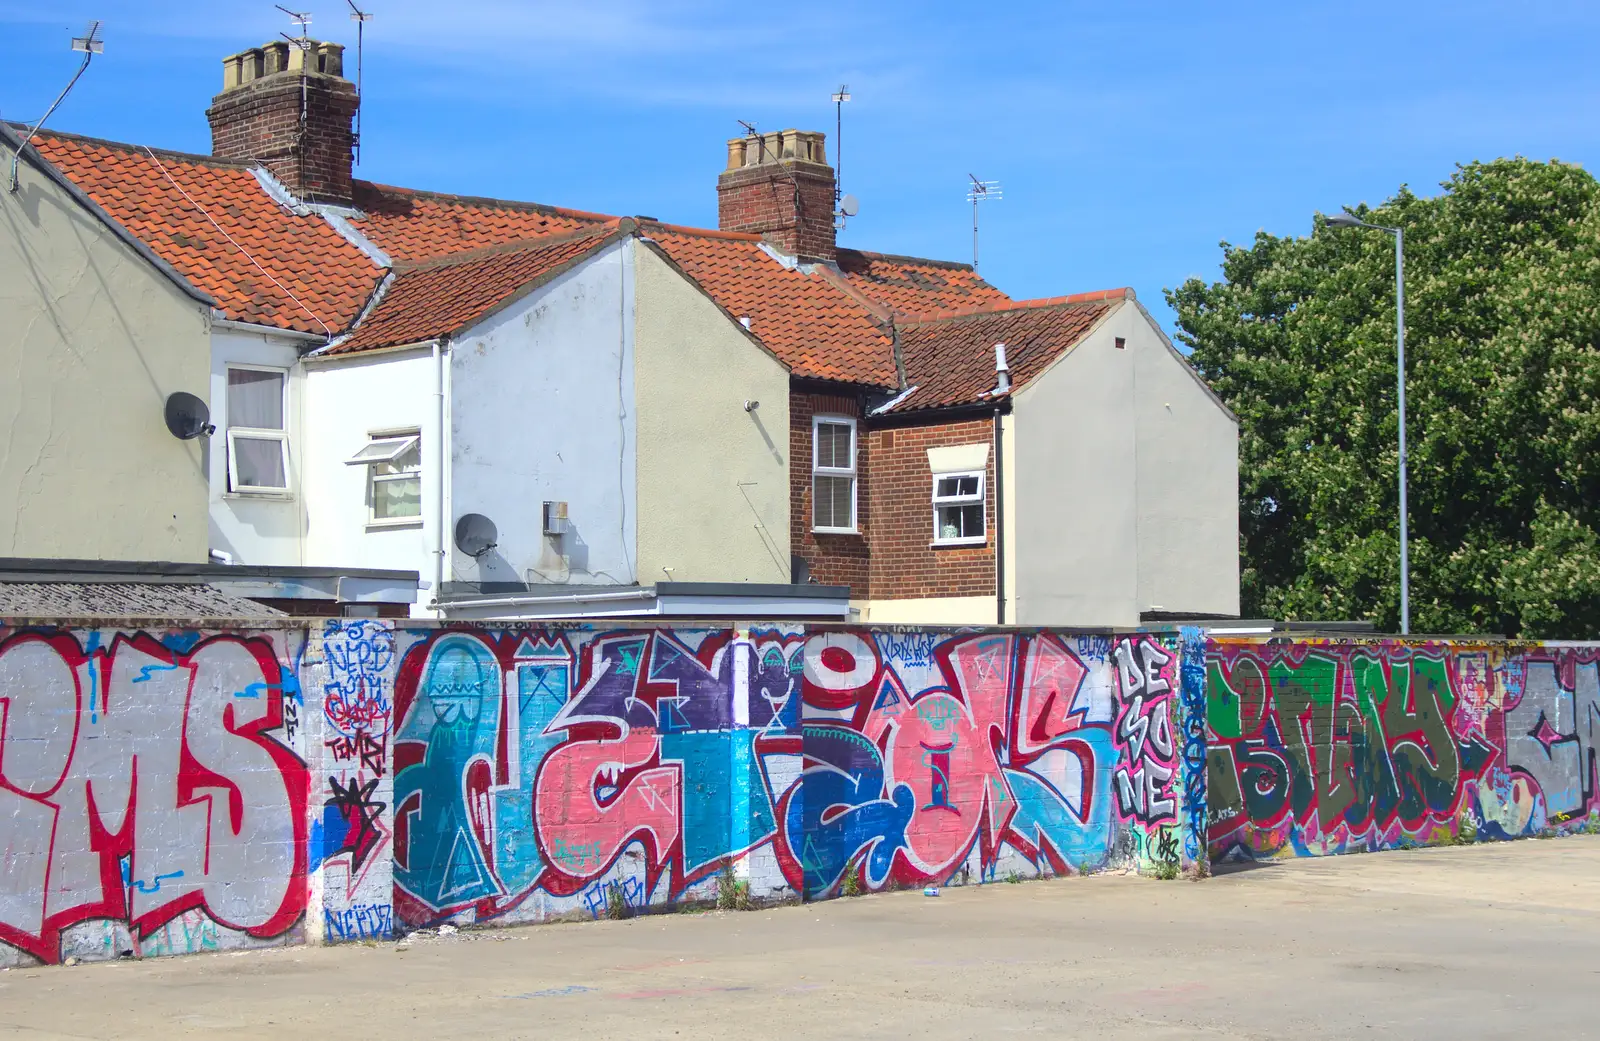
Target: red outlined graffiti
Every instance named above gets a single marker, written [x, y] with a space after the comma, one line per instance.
[140, 782]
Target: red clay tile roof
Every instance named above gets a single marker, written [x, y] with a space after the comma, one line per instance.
[413, 226]
[810, 323]
[950, 360]
[917, 286]
[454, 293]
[163, 198]
[459, 258]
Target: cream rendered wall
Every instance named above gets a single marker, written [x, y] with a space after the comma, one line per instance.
[713, 479]
[1188, 469]
[1075, 491]
[1008, 490]
[347, 399]
[945, 610]
[92, 341]
[265, 529]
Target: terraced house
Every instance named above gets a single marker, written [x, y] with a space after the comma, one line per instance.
[555, 413]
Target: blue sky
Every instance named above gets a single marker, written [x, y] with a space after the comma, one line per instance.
[1129, 138]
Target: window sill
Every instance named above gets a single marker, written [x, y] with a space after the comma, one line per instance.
[836, 531]
[957, 543]
[391, 525]
[261, 496]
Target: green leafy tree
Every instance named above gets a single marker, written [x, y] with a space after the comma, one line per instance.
[1503, 406]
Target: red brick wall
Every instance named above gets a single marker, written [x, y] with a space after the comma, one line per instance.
[835, 559]
[761, 199]
[261, 121]
[904, 563]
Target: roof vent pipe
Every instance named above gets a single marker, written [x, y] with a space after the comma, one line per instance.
[1002, 371]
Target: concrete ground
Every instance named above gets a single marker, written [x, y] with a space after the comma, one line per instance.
[1497, 941]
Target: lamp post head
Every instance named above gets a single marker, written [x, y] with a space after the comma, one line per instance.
[1345, 219]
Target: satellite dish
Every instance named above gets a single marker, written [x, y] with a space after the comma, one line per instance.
[475, 534]
[849, 205]
[188, 417]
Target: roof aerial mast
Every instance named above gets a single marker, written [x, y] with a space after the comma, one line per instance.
[361, 18]
[844, 206]
[981, 191]
[90, 45]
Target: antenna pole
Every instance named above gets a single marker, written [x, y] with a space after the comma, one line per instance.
[303, 41]
[840, 96]
[89, 43]
[981, 191]
[361, 18]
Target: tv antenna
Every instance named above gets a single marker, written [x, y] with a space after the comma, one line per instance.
[840, 211]
[89, 45]
[300, 18]
[361, 18]
[981, 191]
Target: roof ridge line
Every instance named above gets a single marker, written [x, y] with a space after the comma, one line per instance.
[532, 243]
[907, 258]
[710, 233]
[138, 149]
[489, 200]
[1099, 296]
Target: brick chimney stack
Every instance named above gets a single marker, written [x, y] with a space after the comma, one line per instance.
[289, 107]
[781, 186]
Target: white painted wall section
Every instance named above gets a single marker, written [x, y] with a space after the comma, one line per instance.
[348, 400]
[543, 409]
[254, 528]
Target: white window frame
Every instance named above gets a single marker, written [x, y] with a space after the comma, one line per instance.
[978, 499]
[403, 440]
[817, 470]
[258, 434]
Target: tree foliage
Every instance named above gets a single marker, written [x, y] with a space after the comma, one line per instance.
[1503, 406]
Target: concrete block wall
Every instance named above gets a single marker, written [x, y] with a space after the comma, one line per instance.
[1318, 747]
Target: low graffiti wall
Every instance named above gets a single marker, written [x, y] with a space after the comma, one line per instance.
[172, 790]
[176, 790]
[1318, 747]
[590, 771]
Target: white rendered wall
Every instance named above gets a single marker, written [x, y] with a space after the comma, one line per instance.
[543, 409]
[347, 400]
[256, 528]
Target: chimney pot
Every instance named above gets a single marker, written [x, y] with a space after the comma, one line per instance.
[277, 58]
[289, 108]
[780, 186]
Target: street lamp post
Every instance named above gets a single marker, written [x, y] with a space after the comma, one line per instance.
[1346, 219]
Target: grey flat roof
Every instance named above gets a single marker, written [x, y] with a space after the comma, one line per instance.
[126, 600]
[32, 568]
[473, 591]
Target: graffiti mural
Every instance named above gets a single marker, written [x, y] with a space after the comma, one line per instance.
[543, 762]
[352, 834]
[1318, 747]
[1551, 720]
[542, 772]
[979, 754]
[149, 800]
